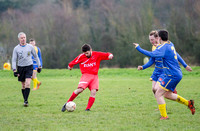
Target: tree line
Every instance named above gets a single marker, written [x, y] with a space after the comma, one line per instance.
[61, 27]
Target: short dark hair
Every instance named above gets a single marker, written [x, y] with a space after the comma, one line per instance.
[31, 39]
[163, 34]
[86, 47]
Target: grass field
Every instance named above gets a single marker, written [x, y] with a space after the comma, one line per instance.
[124, 102]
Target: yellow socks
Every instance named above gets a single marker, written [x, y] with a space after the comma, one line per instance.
[34, 83]
[38, 82]
[162, 108]
[182, 100]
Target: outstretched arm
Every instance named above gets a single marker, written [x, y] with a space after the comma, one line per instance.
[105, 55]
[159, 52]
[149, 63]
[188, 68]
[181, 60]
[77, 60]
[110, 57]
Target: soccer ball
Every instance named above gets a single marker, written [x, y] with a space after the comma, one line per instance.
[145, 60]
[70, 106]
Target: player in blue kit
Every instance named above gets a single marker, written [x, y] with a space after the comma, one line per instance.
[172, 74]
[36, 82]
[158, 71]
[153, 38]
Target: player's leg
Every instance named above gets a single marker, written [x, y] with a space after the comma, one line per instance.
[28, 75]
[27, 90]
[72, 97]
[75, 94]
[93, 87]
[154, 79]
[164, 84]
[170, 95]
[154, 87]
[38, 82]
[169, 83]
[23, 89]
[175, 97]
[21, 78]
[34, 79]
[161, 102]
[91, 99]
[83, 84]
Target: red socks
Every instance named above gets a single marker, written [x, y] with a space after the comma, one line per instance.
[73, 96]
[90, 102]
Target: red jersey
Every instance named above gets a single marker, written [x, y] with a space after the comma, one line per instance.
[89, 65]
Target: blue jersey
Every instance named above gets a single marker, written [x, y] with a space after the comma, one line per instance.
[38, 52]
[158, 63]
[181, 60]
[158, 66]
[170, 58]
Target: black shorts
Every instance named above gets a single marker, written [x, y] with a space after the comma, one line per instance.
[24, 72]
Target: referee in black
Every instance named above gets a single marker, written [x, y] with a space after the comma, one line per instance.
[22, 64]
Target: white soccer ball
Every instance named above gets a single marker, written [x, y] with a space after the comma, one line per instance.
[70, 106]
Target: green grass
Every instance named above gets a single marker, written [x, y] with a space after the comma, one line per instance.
[124, 102]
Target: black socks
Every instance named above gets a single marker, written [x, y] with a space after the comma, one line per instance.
[26, 94]
[23, 93]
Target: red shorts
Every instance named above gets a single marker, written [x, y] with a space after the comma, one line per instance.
[90, 81]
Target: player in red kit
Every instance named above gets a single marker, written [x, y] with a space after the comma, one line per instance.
[89, 62]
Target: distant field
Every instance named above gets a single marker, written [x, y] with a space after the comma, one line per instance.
[124, 102]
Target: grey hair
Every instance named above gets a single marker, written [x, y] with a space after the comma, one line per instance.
[21, 33]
